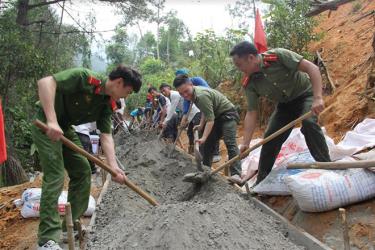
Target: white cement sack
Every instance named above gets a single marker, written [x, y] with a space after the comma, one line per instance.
[294, 144]
[274, 183]
[31, 203]
[363, 136]
[322, 190]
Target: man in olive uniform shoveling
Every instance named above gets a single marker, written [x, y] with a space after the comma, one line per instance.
[295, 84]
[219, 119]
[72, 97]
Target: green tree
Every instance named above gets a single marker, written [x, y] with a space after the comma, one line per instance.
[146, 46]
[154, 73]
[171, 36]
[118, 49]
[27, 53]
[212, 55]
[287, 27]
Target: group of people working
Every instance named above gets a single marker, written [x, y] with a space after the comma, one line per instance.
[77, 96]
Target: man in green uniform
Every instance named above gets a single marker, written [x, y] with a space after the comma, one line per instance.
[219, 119]
[295, 84]
[72, 97]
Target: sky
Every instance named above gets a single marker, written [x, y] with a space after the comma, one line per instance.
[198, 15]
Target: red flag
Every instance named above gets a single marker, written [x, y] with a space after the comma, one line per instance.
[260, 41]
[3, 146]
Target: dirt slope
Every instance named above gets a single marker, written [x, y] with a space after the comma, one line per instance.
[348, 52]
[349, 56]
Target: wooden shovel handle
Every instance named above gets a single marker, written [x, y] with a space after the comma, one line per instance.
[99, 162]
[196, 137]
[264, 141]
[333, 165]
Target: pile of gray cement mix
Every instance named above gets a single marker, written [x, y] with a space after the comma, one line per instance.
[216, 217]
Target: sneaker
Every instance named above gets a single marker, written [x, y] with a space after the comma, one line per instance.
[50, 245]
[216, 158]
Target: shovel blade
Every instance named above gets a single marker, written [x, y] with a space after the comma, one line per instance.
[199, 177]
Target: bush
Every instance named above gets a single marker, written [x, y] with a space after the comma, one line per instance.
[154, 73]
[152, 66]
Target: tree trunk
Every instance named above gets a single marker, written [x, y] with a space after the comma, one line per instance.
[58, 35]
[24, 6]
[22, 12]
[168, 58]
[140, 31]
[331, 5]
[157, 33]
[13, 173]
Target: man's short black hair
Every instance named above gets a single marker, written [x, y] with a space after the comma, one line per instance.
[180, 79]
[243, 49]
[150, 89]
[164, 85]
[130, 76]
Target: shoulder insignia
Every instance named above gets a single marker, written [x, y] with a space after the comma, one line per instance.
[245, 81]
[269, 58]
[97, 90]
[93, 81]
[113, 104]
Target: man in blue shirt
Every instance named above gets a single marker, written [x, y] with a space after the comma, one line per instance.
[195, 119]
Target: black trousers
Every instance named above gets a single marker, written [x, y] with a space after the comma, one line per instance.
[284, 114]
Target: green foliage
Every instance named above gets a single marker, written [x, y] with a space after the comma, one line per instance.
[171, 37]
[288, 27]
[27, 54]
[118, 50]
[146, 45]
[212, 55]
[152, 66]
[154, 73]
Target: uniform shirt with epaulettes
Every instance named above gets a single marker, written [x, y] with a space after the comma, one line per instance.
[80, 99]
[278, 79]
[211, 102]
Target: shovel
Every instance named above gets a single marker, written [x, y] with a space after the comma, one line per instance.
[333, 165]
[197, 154]
[68, 143]
[118, 122]
[205, 176]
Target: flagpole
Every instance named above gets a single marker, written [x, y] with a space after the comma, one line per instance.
[255, 11]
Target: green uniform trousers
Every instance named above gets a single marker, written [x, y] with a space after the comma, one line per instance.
[284, 114]
[227, 130]
[54, 158]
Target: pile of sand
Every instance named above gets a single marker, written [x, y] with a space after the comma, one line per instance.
[216, 217]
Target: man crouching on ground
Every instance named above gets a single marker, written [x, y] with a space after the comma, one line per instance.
[72, 97]
[219, 119]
